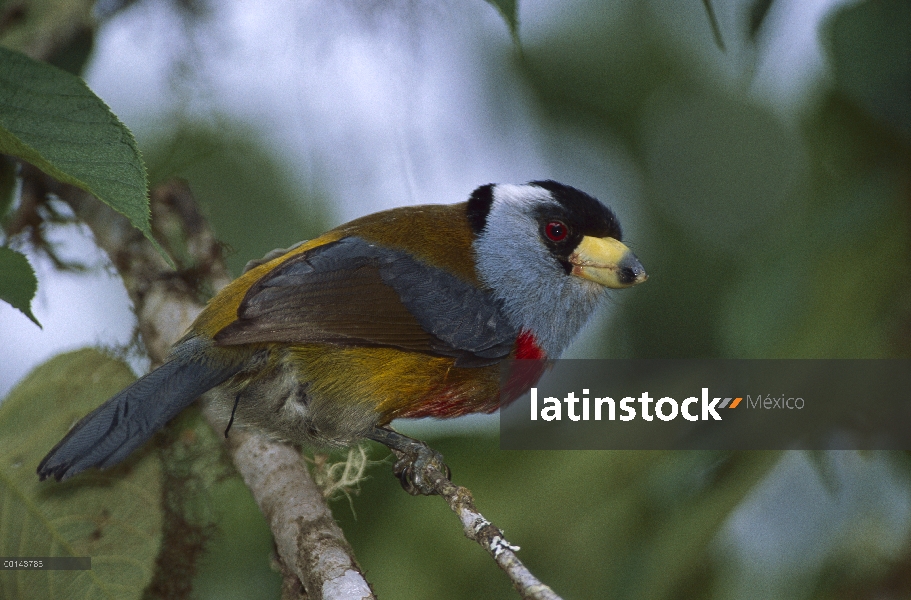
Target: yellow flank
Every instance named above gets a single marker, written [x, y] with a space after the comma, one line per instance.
[394, 383]
[222, 309]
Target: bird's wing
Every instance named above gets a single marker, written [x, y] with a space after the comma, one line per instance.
[353, 292]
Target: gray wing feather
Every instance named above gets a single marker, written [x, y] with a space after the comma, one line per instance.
[353, 292]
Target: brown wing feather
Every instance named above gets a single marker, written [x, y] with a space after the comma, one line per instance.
[438, 234]
[346, 306]
[375, 286]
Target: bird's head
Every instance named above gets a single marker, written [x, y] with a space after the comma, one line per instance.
[548, 251]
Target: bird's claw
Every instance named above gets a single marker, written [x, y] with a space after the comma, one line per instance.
[416, 468]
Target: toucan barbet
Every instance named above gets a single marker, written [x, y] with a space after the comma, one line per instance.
[405, 313]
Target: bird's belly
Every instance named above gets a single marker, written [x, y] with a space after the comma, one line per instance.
[334, 395]
[396, 384]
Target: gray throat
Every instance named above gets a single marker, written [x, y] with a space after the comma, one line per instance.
[537, 293]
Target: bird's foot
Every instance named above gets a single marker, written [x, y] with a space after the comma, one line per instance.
[417, 464]
[416, 470]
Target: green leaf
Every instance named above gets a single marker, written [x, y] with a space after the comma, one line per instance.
[113, 516]
[17, 282]
[509, 9]
[51, 119]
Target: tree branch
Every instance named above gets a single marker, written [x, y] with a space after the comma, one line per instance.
[310, 544]
[488, 536]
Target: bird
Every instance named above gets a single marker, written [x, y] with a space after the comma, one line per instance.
[407, 313]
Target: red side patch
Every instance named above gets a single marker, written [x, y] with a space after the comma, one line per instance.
[527, 347]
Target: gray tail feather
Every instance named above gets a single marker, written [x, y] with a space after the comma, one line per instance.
[112, 431]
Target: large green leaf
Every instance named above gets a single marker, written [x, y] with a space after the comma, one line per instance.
[111, 516]
[51, 119]
[17, 282]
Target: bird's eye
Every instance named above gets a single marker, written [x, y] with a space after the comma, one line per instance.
[556, 231]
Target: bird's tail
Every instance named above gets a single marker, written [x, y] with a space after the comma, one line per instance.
[112, 431]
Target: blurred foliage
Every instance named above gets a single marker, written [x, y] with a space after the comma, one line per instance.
[590, 524]
[757, 16]
[8, 184]
[870, 47]
[509, 10]
[61, 30]
[154, 528]
[713, 21]
[215, 540]
[764, 235]
[248, 195]
[237, 563]
[109, 516]
[762, 238]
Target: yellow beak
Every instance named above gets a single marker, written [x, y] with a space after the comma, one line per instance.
[608, 262]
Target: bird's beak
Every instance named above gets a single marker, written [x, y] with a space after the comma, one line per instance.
[608, 262]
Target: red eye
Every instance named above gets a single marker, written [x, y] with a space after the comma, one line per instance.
[556, 231]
